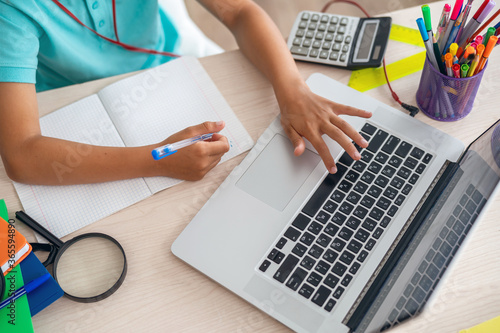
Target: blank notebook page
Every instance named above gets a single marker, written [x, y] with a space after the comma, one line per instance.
[149, 107]
[64, 209]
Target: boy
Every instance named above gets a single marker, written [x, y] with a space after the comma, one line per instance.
[42, 43]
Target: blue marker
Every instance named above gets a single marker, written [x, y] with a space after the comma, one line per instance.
[169, 149]
[25, 289]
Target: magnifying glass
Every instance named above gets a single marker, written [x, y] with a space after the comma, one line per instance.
[88, 268]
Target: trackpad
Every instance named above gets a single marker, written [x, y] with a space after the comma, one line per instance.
[276, 174]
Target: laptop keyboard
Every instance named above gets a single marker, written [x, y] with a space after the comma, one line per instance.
[438, 258]
[326, 244]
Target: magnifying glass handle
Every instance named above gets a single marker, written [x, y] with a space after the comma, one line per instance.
[26, 219]
[47, 247]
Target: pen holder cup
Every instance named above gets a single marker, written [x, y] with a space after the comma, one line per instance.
[446, 98]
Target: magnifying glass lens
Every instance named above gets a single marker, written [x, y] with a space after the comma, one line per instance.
[89, 267]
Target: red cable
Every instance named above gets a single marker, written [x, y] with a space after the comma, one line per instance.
[114, 20]
[394, 95]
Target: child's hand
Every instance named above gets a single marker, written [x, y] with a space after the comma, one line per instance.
[305, 114]
[193, 162]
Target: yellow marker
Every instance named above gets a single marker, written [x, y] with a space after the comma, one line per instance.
[453, 51]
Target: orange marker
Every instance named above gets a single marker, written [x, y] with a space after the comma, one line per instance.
[448, 61]
[467, 52]
[475, 62]
[486, 54]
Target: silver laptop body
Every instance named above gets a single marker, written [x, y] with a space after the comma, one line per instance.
[250, 236]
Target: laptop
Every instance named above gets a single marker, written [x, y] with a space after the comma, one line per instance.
[357, 251]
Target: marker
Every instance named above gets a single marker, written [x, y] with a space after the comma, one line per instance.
[445, 16]
[464, 69]
[451, 23]
[486, 54]
[169, 149]
[456, 71]
[427, 42]
[470, 50]
[465, 12]
[490, 32]
[448, 60]
[454, 32]
[453, 51]
[437, 55]
[487, 9]
[426, 12]
[32, 285]
[475, 62]
[479, 39]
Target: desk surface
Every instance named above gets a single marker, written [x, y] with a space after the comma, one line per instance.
[161, 293]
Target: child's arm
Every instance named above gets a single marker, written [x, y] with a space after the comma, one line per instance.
[31, 158]
[304, 114]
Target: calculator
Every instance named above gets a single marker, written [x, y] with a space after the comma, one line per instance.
[343, 41]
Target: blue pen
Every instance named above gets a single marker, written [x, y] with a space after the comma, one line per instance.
[169, 149]
[427, 42]
[25, 289]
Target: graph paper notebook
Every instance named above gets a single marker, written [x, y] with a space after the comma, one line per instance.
[139, 110]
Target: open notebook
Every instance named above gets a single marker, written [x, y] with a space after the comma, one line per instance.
[139, 110]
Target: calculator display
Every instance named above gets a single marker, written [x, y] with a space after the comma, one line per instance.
[368, 33]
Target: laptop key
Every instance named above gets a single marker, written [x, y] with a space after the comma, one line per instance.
[377, 141]
[339, 218]
[292, 234]
[353, 197]
[391, 144]
[307, 238]
[331, 229]
[321, 295]
[353, 223]
[346, 159]
[322, 267]
[346, 280]
[362, 235]
[330, 256]
[338, 292]
[370, 244]
[286, 268]
[339, 269]
[323, 217]
[369, 224]
[296, 279]
[385, 221]
[376, 214]
[281, 243]
[337, 196]
[299, 249]
[368, 177]
[352, 176]
[346, 233]
[427, 158]
[344, 186]
[307, 262]
[366, 156]
[306, 290]
[360, 187]
[406, 189]
[383, 203]
[377, 233]
[338, 244]
[392, 211]
[323, 240]
[362, 256]
[301, 221]
[330, 304]
[265, 265]
[390, 192]
[275, 256]
[323, 191]
[404, 172]
[369, 129]
[354, 246]
[360, 212]
[315, 251]
[381, 157]
[374, 167]
[417, 153]
[331, 280]
[346, 257]
[388, 171]
[346, 208]
[410, 162]
[403, 149]
[397, 182]
[314, 279]
[367, 201]
[330, 206]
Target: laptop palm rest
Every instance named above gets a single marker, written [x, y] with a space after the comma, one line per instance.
[276, 174]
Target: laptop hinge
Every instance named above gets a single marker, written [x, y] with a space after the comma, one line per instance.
[389, 262]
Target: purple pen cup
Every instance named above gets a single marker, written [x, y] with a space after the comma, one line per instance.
[446, 98]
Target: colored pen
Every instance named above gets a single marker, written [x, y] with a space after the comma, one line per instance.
[427, 42]
[32, 285]
[448, 60]
[169, 149]
[464, 69]
[454, 32]
[474, 23]
[426, 12]
[475, 62]
[490, 32]
[470, 50]
[479, 39]
[456, 70]
[486, 54]
[449, 27]
[453, 51]
[465, 12]
[445, 16]
[437, 55]
[485, 24]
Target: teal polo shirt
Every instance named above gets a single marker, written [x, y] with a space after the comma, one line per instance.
[41, 44]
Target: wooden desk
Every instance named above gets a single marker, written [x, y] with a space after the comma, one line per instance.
[162, 294]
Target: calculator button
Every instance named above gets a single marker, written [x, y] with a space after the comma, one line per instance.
[332, 28]
[323, 54]
[345, 48]
[326, 46]
[297, 41]
[316, 44]
[338, 38]
[305, 16]
[314, 53]
[320, 35]
[334, 20]
[309, 34]
[336, 47]
[348, 39]
[334, 56]
[315, 18]
[313, 26]
[344, 21]
[303, 24]
[300, 33]
[343, 57]
[341, 30]
[322, 27]
[299, 50]
[324, 19]
[306, 43]
[329, 37]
